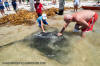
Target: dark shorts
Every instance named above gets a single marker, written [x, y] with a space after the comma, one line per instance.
[14, 5]
[6, 4]
[1, 7]
[39, 14]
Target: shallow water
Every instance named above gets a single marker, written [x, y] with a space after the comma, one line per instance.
[67, 50]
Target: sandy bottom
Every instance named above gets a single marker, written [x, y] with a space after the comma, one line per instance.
[18, 44]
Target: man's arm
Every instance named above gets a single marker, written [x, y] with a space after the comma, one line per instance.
[65, 25]
[42, 26]
[43, 8]
[83, 23]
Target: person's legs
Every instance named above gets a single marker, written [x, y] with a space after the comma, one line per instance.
[45, 22]
[83, 34]
[8, 7]
[76, 6]
[14, 5]
[61, 7]
[39, 23]
[2, 10]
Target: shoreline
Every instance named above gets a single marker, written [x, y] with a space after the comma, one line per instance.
[47, 5]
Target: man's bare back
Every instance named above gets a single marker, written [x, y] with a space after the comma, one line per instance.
[85, 14]
[81, 18]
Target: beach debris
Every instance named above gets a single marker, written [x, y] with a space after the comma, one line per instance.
[21, 17]
[26, 17]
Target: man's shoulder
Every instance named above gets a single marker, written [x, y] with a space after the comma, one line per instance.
[77, 17]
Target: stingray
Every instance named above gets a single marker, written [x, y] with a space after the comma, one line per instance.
[52, 36]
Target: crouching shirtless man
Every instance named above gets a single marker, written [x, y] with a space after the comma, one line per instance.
[84, 21]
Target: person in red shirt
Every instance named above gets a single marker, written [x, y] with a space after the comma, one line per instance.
[38, 7]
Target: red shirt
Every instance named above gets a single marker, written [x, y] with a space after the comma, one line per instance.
[38, 8]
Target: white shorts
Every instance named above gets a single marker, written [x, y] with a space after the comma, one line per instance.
[76, 3]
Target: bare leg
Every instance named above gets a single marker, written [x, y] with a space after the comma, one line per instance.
[7, 8]
[2, 12]
[76, 8]
[83, 34]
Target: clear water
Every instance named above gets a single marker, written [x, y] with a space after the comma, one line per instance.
[68, 50]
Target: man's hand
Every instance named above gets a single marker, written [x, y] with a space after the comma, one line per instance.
[43, 30]
[59, 34]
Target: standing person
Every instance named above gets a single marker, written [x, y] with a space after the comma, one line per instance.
[7, 5]
[61, 7]
[2, 8]
[42, 20]
[20, 1]
[27, 1]
[98, 2]
[76, 4]
[23, 1]
[54, 2]
[38, 7]
[14, 4]
[85, 21]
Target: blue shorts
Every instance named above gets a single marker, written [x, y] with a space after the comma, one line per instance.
[44, 21]
[6, 4]
[1, 7]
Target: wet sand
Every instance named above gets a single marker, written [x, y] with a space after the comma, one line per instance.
[17, 44]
